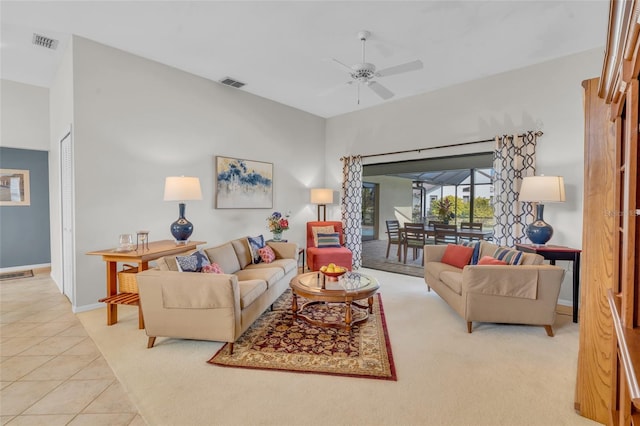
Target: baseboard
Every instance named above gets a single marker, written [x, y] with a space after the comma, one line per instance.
[85, 308]
[39, 268]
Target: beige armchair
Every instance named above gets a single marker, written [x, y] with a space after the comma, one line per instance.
[523, 294]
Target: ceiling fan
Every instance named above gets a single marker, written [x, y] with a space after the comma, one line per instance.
[363, 73]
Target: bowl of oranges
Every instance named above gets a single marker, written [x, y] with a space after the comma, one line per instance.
[332, 270]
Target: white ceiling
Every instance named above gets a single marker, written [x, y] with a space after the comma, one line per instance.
[283, 50]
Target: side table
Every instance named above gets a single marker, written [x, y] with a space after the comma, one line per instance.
[141, 257]
[553, 253]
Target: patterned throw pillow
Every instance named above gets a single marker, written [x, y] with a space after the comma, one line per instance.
[475, 245]
[512, 257]
[322, 230]
[328, 240]
[266, 254]
[213, 268]
[192, 263]
[488, 260]
[255, 243]
[458, 256]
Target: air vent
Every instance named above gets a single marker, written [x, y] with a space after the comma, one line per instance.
[228, 81]
[40, 40]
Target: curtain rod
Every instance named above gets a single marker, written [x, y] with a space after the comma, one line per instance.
[538, 133]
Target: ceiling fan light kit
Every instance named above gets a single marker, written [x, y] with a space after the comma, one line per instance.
[364, 72]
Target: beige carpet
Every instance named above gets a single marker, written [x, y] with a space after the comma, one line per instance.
[498, 375]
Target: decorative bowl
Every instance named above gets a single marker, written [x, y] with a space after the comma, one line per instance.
[335, 274]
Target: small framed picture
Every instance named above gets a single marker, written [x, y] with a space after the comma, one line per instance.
[14, 187]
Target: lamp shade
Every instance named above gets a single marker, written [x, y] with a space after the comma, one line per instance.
[542, 189]
[321, 196]
[182, 188]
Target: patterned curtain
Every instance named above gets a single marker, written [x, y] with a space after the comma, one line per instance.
[352, 206]
[513, 159]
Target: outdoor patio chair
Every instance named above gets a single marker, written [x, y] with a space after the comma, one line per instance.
[413, 237]
[394, 237]
[445, 233]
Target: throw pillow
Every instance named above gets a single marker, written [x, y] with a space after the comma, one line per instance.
[488, 260]
[457, 256]
[320, 229]
[192, 263]
[266, 254]
[255, 243]
[475, 245]
[328, 240]
[512, 257]
[213, 268]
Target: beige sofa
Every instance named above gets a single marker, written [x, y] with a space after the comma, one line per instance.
[208, 306]
[522, 294]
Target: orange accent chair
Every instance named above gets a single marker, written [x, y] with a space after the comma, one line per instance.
[318, 256]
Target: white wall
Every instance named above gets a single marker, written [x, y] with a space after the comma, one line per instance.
[545, 97]
[61, 120]
[24, 116]
[137, 121]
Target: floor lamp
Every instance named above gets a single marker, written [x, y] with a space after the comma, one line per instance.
[322, 197]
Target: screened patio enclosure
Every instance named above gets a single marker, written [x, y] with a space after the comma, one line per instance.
[409, 191]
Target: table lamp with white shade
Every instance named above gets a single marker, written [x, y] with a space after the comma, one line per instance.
[541, 189]
[182, 188]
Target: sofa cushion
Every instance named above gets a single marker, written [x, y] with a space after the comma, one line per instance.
[250, 290]
[328, 240]
[453, 280]
[436, 268]
[488, 260]
[512, 257]
[193, 262]
[457, 256]
[255, 243]
[241, 246]
[287, 265]
[225, 256]
[475, 245]
[266, 254]
[270, 275]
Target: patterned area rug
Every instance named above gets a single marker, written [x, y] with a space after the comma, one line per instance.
[274, 342]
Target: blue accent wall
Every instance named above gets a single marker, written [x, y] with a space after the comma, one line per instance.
[24, 230]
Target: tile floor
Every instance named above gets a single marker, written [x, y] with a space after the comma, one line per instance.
[51, 372]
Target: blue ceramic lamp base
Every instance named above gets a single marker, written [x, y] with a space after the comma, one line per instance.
[539, 232]
[181, 229]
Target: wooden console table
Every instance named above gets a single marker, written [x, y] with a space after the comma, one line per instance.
[553, 253]
[141, 257]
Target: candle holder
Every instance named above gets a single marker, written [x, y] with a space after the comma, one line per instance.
[142, 240]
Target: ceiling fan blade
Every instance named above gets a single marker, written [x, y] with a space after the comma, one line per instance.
[343, 66]
[409, 66]
[380, 90]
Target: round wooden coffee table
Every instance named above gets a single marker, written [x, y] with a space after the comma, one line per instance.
[347, 289]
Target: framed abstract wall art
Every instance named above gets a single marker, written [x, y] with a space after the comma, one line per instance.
[243, 184]
[14, 187]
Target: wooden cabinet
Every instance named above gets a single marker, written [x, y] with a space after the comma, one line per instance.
[607, 388]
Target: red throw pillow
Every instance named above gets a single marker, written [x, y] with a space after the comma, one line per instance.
[457, 256]
[214, 268]
[267, 254]
[488, 260]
